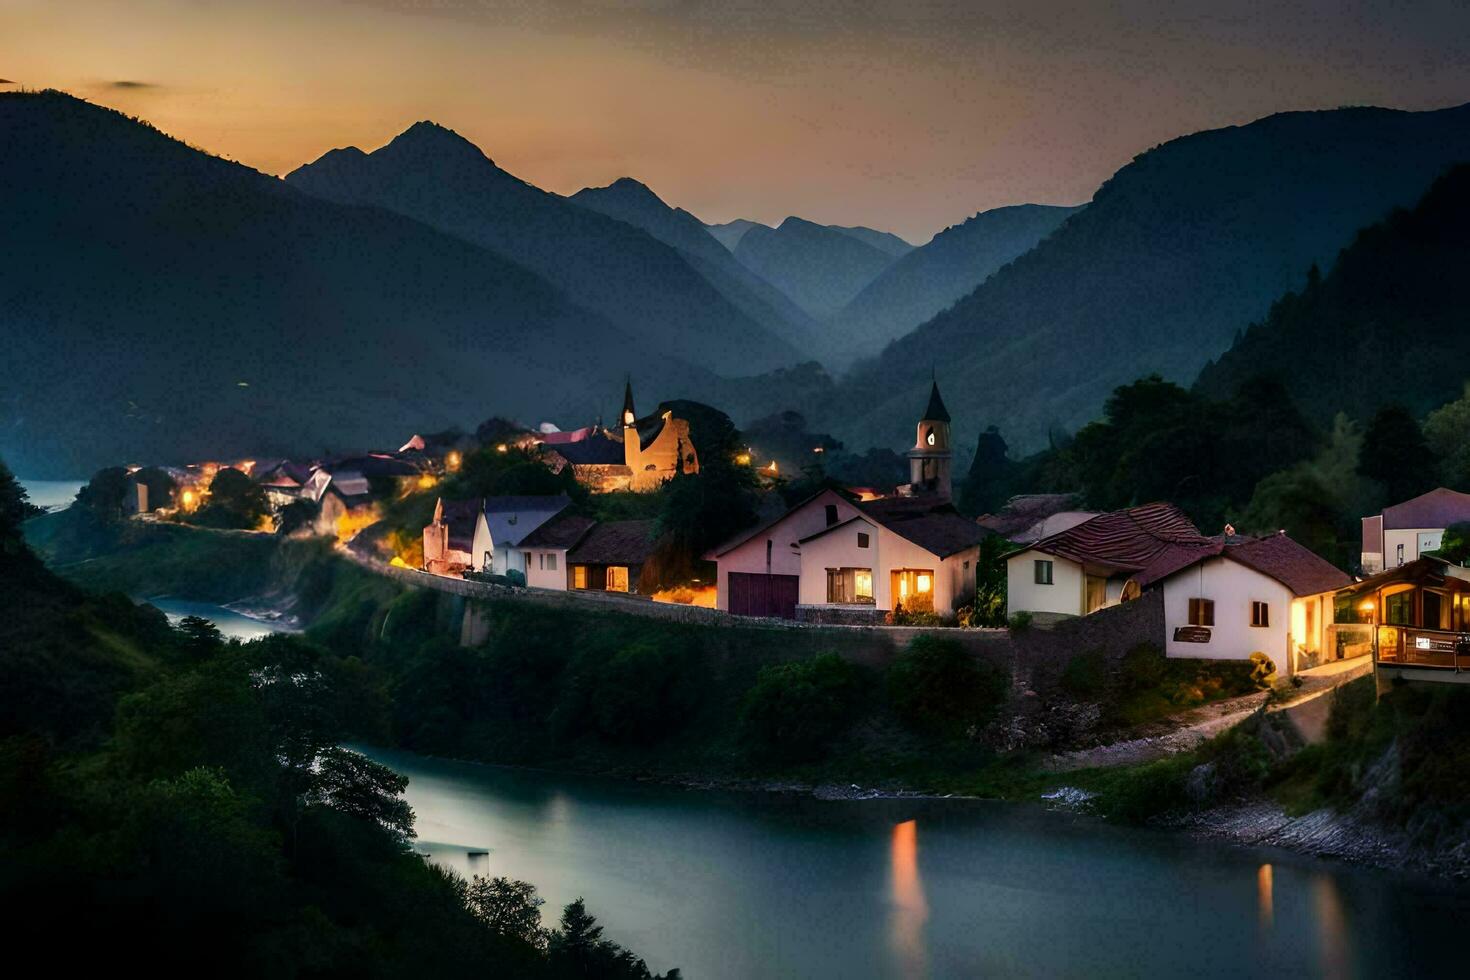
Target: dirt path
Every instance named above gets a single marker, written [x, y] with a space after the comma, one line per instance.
[1188, 730]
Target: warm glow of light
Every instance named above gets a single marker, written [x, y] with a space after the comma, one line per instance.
[1264, 899]
[743, 459]
[1366, 605]
[910, 909]
[397, 562]
[925, 583]
[452, 461]
[685, 595]
[354, 521]
[188, 499]
[246, 466]
[818, 449]
[502, 448]
[426, 481]
[266, 523]
[772, 467]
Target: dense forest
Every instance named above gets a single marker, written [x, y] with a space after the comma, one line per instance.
[184, 801]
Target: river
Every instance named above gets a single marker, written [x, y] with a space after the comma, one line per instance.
[232, 624]
[728, 885]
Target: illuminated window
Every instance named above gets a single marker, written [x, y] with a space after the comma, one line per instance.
[914, 589]
[1201, 612]
[850, 585]
[1260, 614]
[926, 583]
[1043, 571]
[617, 578]
[579, 576]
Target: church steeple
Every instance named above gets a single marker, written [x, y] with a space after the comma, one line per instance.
[629, 416]
[931, 458]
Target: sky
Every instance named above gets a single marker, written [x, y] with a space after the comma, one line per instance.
[905, 115]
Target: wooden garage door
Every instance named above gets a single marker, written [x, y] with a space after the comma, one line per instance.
[763, 595]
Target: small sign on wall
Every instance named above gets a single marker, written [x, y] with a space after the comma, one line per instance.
[1191, 634]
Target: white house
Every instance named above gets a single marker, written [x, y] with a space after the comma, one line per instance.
[833, 557]
[503, 523]
[1223, 597]
[1403, 532]
[545, 550]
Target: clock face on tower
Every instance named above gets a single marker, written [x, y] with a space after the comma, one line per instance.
[929, 437]
[627, 418]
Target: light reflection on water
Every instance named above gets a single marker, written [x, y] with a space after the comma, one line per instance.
[729, 885]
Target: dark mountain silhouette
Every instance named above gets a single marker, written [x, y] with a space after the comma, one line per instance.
[634, 203]
[434, 175]
[820, 268]
[730, 233]
[933, 276]
[884, 241]
[1386, 325]
[161, 304]
[1175, 252]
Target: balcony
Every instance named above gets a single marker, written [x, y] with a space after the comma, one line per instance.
[1414, 646]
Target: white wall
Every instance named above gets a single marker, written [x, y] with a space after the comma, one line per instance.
[541, 575]
[481, 544]
[885, 553]
[1063, 596]
[1233, 587]
[783, 535]
[1409, 538]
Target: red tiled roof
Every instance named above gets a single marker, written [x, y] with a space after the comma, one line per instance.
[1440, 507]
[1131, 540]
[1295, 566]
[615, 543]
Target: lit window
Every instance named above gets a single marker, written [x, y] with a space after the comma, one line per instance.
[1043, 571]
[926, 584]
[1201, 612]
[1260, 614]
[617, 578]
[579, 576]
[850, 585]
[862, 539]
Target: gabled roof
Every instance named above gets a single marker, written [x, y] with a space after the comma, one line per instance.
[935, 412]
[598, 449]
[1033, 516]
[1130, 541]
[1295, 566]
[562, 531]
[1440, 507]
[764, 526]
[939, 530]
[615, 543]
[512, 519]
[562, 438]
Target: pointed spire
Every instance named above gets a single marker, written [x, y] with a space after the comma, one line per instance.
[936, 412]
[629, 415]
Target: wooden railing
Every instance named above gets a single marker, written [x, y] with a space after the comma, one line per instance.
[1412, 646]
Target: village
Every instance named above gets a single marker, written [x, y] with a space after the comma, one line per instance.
[827, 554]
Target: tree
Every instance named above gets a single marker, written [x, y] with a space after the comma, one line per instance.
[235, 501]
[1444, 432]
[15, 505]
[986, 487]
[795, 710]
[351, 783]
[509, 907]
[577, 950]
[1396, 456]
[936, 687]
[106, 493]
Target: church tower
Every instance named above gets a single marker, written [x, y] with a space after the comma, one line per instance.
[629, 416]
[931, 458]
[628, 423]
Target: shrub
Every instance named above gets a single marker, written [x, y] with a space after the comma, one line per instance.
[1086, 674]
[795, 710]
[936, 687]
[1020, 622]
[647, 691]
[1141, 793]
[1142, 667]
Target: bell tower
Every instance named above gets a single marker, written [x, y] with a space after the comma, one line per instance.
[931, 458]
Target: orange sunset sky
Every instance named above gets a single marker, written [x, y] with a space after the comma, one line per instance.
[907, 116]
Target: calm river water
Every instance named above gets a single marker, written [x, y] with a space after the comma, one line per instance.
[749, 885]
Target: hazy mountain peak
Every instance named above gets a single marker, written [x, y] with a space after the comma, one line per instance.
[429, 138]
[626, 190]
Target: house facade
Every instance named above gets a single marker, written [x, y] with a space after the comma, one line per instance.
[837, 558]
[449, 539]
[610, 557]
[1414, 617]
[502, 524]
[1224, 597]
[1404, 532]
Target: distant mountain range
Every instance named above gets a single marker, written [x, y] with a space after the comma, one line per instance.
[435, 176]
[634, 203]
[1175, 253]
[1386, 325]
[820, 268]
[161, 304]
[930, 278]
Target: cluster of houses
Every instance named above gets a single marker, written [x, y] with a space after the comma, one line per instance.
[861, 557]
